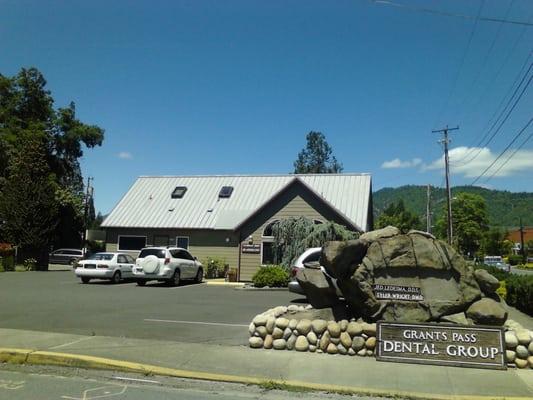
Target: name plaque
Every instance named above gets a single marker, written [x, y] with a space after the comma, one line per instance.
[251, 248]
[438, 344]
[395, 292]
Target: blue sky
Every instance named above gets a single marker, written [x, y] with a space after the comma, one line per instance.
[232, 87]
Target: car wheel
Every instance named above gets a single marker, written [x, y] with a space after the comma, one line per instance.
[175, 280]
[199, 276]
[116, 277]
[72, 262]
[84, 279]
[141, 283]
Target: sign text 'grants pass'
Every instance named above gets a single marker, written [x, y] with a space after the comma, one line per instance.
[454, 345]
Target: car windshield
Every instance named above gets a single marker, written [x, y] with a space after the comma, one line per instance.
[100, 256]
[159, 253]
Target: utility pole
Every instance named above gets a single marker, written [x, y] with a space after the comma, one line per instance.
[522, 249]
[88, 193]
[446, 141]
[428, 210]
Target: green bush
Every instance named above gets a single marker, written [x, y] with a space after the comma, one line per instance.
[520, 292]
[215, 267]
[30, 264]
[8, 263]
[271, 276]
[515, 259]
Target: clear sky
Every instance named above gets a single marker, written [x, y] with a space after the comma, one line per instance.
[232, 87]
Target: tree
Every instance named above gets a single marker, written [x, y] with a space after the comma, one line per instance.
[470, 221]
[292, 236]
[26, 111]
[316, 157]
[29, 206]
[397, 215]
[493, 242]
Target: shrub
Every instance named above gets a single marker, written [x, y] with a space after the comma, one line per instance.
[502, 290]
[272, 276]
[515, 259]
[30, 264]
[215, 267]
[8, 263]
[520, 292]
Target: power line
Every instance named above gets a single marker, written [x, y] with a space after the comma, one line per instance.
[511, 156]
[446, 13]
[463, 58]
[494, 78]
[478, 148]
[504, 150]
[486, 57]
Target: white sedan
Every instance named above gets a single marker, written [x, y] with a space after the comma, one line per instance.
[111, 266]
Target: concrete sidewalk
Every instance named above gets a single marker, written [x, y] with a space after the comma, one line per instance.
[245, 365]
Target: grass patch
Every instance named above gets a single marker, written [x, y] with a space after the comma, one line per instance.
[525, 266]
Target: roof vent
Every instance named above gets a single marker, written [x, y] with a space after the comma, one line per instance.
[225, 192]
[178, 192]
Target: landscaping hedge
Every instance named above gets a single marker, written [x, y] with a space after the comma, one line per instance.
[520, 292]
[271, 276]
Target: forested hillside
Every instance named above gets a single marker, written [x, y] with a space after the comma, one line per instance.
[505, 208]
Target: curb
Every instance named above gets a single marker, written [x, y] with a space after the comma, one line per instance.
[27, 356]
[218, 283]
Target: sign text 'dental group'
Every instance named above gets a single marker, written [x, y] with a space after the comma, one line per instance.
[477, 347]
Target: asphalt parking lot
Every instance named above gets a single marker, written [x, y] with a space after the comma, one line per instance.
[56, 301]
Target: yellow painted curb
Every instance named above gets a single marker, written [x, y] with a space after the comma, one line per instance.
[21, 356]
[224, 283]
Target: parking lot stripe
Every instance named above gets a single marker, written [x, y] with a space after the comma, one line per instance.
[71, 343]
[194, 322]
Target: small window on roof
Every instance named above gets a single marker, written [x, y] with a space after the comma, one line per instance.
[179, 192]
[225, 192]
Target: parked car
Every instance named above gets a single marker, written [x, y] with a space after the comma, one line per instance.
[65, 256]
[167, 264]
[496, 261]
[311, 255]
[108, 265]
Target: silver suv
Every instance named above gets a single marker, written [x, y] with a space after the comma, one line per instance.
[167, 264]
[65, 256]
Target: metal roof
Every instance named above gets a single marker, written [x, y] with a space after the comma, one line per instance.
[148, 203]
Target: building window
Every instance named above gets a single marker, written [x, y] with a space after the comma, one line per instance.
[182, 241]
[179, 192]
[267, 244]
[225, 192]
[131, 242]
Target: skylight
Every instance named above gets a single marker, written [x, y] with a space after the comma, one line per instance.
[225, 192]
[179, 192]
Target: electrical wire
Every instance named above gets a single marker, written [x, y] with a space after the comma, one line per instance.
[478, 149]
[485, 59]
[495, 77]
[511, 156]
[504, 150]
[446, 13]
[463, 58]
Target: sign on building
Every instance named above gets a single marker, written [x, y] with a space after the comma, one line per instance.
[461, 346]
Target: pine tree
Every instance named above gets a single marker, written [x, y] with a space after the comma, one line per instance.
[29, 208]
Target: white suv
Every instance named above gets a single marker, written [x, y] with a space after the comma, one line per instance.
[167, 264]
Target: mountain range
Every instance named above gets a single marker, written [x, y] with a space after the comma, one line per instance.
[504, 208]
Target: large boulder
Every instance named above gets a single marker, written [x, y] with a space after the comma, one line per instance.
[318, 288]
[487, 283]
[414, 260]
[487, 311]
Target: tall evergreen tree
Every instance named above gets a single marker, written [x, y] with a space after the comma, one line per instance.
[317, 157]
[29, 207]
[27, 110]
